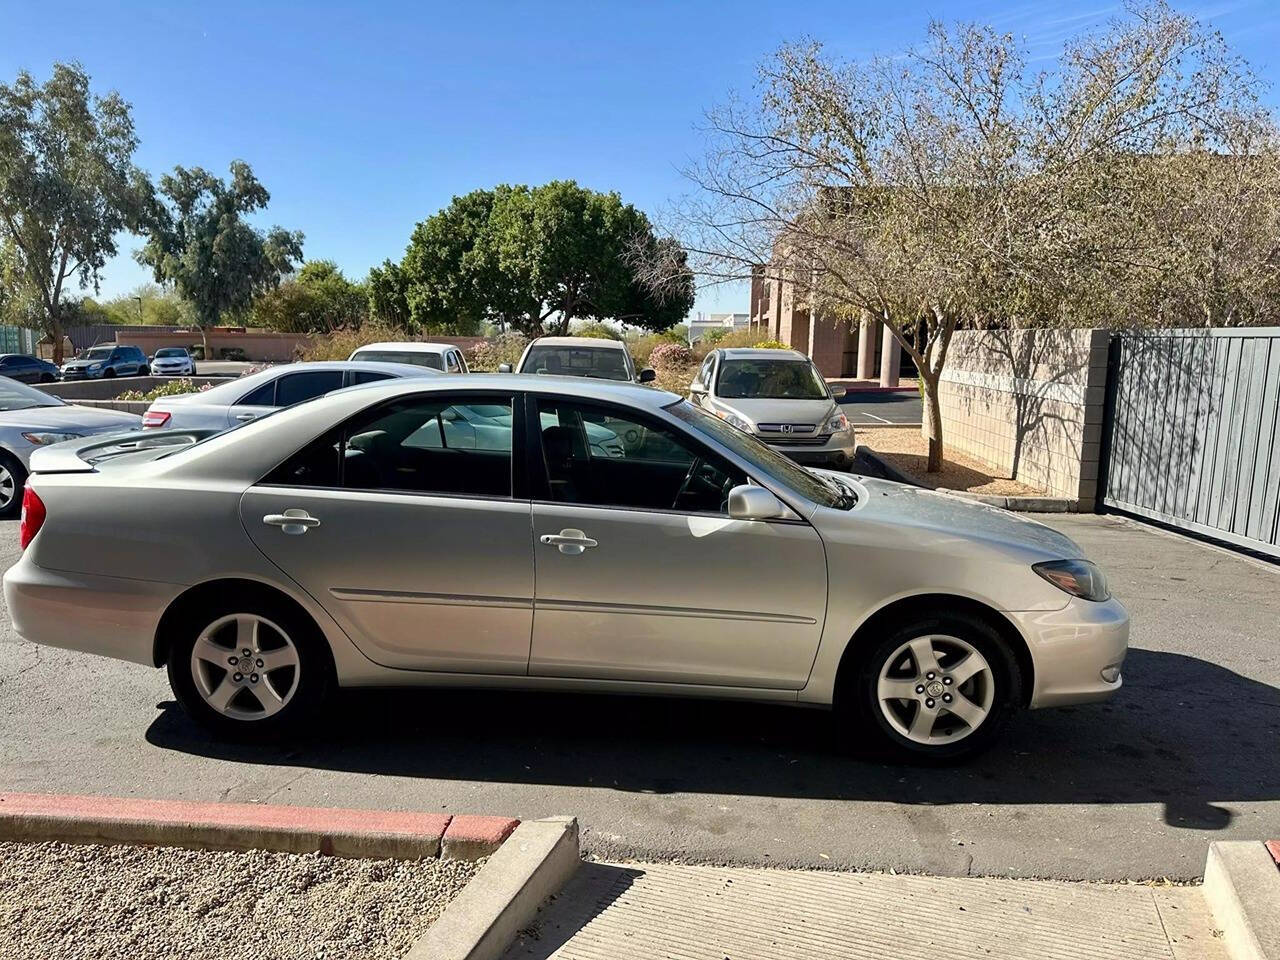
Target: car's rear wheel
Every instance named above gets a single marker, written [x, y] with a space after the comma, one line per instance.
[13, 480]
[249, 669]
[144, 372]
[108, 374]
[938, 688]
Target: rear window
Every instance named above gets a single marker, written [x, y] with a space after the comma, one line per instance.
[430, 360]
[599, 363]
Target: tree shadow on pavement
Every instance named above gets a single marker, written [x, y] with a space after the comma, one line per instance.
[1183, 732]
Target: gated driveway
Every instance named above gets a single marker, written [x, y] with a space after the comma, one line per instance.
[1128, 789]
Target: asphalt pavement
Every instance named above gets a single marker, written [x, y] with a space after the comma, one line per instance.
[1133, 788]
[871, 408]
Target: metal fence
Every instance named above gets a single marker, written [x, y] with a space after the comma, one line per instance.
[1191, 432]
[18, 340]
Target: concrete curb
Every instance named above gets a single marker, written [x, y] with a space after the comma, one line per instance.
[482, 921]
[377, 834]
[1016, 504]
[1242, 889]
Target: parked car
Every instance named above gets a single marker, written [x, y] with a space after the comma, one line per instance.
[107, 361]
[27, 369]
[779, 396]
[247, 398]
[345, 542]
[173, 362]
[579, 357]
[31, 419]
[438, 356]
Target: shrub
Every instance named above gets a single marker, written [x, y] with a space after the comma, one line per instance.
[771, 345]
[171, 388]
[670, 355]
[341, 343]
[598, 331]
[676, 379]
[504, 348]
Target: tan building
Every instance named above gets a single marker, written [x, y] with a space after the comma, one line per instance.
[838, 348]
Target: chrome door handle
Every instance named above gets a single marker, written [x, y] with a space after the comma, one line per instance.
[246, 416]
[292, 521]
[571, 542]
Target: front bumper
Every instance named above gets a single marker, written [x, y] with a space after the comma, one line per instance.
[835, 449]
[1072, 647]
[107, 616]
[81, 373]
[183, 370]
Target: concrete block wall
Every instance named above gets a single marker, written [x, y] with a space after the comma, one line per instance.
[1029, 402]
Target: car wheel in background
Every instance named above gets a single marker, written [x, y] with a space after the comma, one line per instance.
[13, 479]
[938, 688]
[249, 669]
[144, 372]
[108, 373]
[48, 378]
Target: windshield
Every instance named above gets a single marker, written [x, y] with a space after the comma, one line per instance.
[18, 396]
[600, 363]
[431, 360]
[767, 460]
[95, 353]
[171, 352]
[770, 380]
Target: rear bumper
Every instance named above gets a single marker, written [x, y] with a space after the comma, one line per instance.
[1070, 649]
[107, 616]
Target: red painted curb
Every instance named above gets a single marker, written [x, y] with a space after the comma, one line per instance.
[240, 826]
[470, 837]
[1273, 847]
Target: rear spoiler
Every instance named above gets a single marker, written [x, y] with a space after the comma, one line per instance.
[83, 455]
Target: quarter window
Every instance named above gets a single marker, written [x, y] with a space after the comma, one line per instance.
[452, 359]
[263, 396]
[602, 456]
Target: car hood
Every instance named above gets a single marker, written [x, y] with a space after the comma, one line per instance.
[780, 411]
[70, 417]
[954, 517]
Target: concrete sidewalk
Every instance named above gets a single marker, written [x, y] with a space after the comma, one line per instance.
[642, 911]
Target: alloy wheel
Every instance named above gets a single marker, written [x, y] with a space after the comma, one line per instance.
[8, 486]
[936, 689]
[245, 667]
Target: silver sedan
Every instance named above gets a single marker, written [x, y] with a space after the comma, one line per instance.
[361, 539]
[31, 419]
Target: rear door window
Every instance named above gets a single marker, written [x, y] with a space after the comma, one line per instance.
[297, 387]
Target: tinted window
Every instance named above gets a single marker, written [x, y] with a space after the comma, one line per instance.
[264, 396]
[436, 445]
[602, 456]
[365, 376]
[432, 360]
[297, 387]
[770, 379]
[9, 361]
[177, 352]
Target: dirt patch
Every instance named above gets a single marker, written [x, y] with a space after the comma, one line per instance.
[70, 902]
[908, 450]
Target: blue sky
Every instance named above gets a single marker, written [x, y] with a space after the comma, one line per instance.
[363, 119]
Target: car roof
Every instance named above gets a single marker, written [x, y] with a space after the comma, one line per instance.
[408, 346]
[763, 353]
[617, 391]
[578, 342]
[241, 385]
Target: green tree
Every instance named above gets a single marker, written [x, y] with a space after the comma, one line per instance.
[318, 300]
[531, 259]
[68, 185]
[201, 243]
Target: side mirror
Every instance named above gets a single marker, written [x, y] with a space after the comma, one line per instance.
[749, 502]
[837, 392]
[697, 387]
[647, 375]
[504, 368]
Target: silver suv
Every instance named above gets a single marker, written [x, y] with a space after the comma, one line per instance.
[779, 396]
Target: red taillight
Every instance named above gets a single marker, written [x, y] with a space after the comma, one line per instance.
[32, 517]
[155, 418]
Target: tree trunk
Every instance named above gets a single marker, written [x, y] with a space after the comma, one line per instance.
[55, 327]
[931, 426]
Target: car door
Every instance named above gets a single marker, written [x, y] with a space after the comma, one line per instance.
[416, 548]
[642, 576]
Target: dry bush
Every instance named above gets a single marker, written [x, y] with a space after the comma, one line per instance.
[504, 348]
[339, 344]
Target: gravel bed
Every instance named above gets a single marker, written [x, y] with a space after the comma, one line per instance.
[67, 902]
[909, 452]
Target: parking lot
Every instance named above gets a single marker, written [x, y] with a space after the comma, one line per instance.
[871, 408]
[1132, 788]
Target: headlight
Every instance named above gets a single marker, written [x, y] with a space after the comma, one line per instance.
[838, 422]
[1080, 578]
[40, 439]
[733, 420]
[95, 366]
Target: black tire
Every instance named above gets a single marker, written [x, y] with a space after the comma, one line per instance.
[144, 372]
[48, 378]
[314, 677]
[859, 703]
[13, 465]
[108, 374]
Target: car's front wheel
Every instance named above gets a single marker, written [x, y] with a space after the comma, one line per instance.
[13, 479]
[938, 688]
[249, 668]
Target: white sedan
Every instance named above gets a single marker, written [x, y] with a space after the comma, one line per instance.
[266, 391]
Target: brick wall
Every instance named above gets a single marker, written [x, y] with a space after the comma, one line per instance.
[1029, 402]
